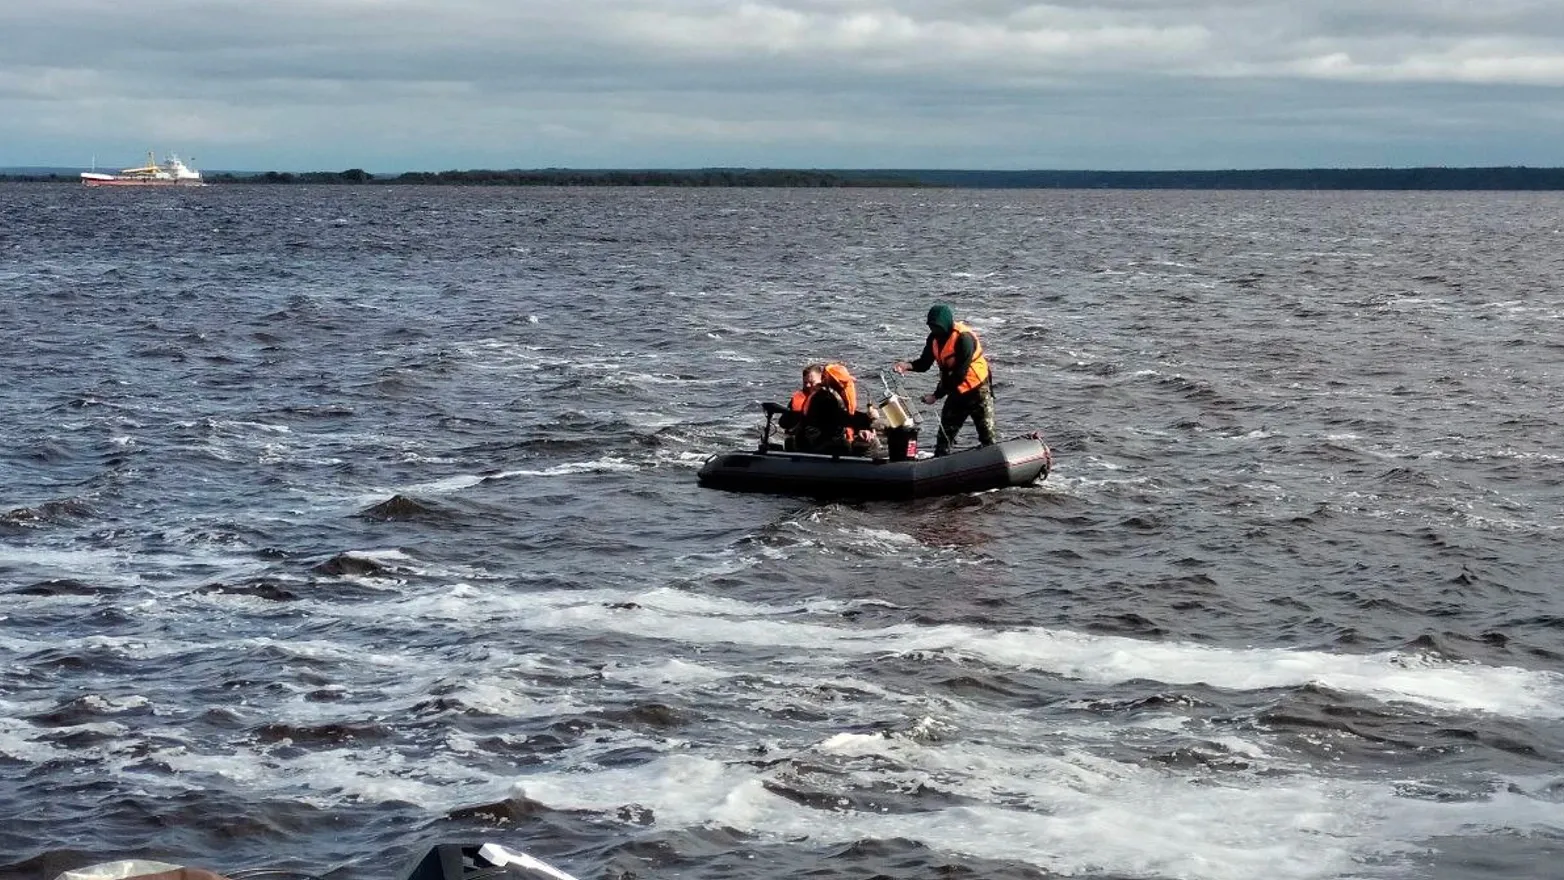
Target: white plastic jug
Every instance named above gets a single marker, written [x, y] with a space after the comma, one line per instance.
[894, 412]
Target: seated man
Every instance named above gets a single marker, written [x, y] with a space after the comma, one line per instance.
[800, 401]
[830, 422]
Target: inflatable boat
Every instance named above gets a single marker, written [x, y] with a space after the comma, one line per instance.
[772, 469]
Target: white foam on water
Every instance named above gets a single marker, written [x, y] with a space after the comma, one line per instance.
[368, 498]
[443, 486]
[281, 453]
[55, 602]
[1051, 771]
[411, 457]
[262, 427]
[728, 561]
[663, 673]
[880, 539]
[653, 420]
[1074, 481]
[134, 647]
[111, 567]
[1390, 676]
[479, 607]
[328, 777]
[89, 564]
[1069, 815]
[1047, 800]
[499, 358]
[17, 744]
[113, 705]
[606, 464]
[339, 652]
[246, 771]
[323, 777]
[683, 790]
[387, 556]
[829, 605]
[664, 379]
[673, 615]
[508, 699]
[687, 603]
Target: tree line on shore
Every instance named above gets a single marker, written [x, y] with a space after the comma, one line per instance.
[1424, 178]
[1427, 178]
[768, 177]
[705, 177]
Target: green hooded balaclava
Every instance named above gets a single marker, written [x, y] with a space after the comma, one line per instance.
[941, 320]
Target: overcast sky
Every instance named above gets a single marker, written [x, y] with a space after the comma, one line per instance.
[393, 85]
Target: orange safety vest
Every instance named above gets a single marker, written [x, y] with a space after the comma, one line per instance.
[845, 381]
[800, 400]
[842, 385]
[946, 355]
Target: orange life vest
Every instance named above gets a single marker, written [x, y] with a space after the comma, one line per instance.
[800, 400]
[838, 382]
[845, 383]
[946, 355]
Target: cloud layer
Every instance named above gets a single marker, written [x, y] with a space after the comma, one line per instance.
[416, 84]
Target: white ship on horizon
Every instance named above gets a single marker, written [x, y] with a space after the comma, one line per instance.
[171, 173]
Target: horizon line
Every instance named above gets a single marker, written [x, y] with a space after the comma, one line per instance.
[846, 168]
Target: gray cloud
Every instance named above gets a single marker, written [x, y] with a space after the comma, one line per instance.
[833, 83]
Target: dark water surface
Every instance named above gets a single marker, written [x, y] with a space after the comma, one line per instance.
[1289, 607]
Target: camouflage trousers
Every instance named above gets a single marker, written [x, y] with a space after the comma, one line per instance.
[977, 405]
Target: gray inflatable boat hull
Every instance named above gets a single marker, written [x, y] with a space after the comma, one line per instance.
[1018, 462]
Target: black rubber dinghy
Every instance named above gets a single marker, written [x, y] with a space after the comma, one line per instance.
[1017, 462]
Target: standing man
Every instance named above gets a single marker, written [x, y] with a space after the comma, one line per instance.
[963, 378]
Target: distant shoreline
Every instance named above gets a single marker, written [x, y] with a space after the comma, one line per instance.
[1428, 178]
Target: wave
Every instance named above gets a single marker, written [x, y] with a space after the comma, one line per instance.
[1393, 677]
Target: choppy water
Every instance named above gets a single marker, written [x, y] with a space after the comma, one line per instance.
[1289, 607]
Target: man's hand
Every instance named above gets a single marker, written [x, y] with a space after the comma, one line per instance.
[929, 399]
[902, 366]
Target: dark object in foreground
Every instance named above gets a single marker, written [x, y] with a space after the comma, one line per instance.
[1017, 462]
[470, 862]
[447, 861]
